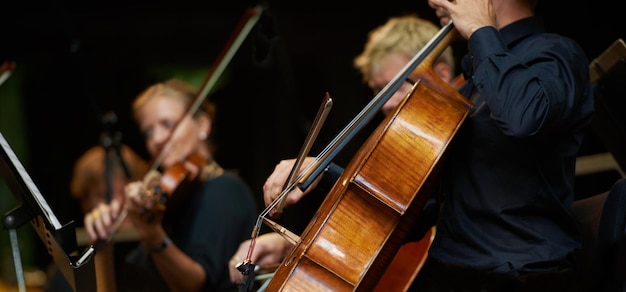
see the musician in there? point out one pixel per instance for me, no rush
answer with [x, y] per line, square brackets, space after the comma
[389, 48]
[185, 241]
[505, 223]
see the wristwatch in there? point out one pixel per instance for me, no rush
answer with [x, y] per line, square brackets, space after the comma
[160, 247]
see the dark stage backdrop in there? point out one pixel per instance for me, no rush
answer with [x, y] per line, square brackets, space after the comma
[77, 60]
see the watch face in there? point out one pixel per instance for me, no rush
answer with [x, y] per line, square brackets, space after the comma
[161, 246]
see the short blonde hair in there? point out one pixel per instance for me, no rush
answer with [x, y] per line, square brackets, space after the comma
[406, 34]
[181, 91]
[173, 88]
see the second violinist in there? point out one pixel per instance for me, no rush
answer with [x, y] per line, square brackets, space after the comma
[186, 242]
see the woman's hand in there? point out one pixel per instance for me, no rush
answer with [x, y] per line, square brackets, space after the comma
[274, 184]
[145, 211]
[98, 222]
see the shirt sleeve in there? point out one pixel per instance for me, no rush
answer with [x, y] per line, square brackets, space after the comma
[529, 92]
[329, 177]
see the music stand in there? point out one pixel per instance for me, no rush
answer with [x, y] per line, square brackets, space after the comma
[60, 240]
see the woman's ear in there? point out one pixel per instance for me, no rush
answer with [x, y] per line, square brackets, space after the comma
[204, 125]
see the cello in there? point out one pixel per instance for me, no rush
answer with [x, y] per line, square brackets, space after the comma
[366, 216]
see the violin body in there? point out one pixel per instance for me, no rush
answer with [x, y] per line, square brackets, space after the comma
[171, 186]
[366, 216]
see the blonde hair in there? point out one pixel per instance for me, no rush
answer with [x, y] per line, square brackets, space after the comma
[173, 88]
[179, 90]
[406, 34]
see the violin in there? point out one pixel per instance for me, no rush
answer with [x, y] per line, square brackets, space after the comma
[161, 186]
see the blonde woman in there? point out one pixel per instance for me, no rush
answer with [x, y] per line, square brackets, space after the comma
[188, 238]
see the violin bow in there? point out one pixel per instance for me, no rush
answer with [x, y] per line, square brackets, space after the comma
[245, 25]
[5, 70]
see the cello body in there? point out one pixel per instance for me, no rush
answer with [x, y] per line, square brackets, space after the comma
[364, 219]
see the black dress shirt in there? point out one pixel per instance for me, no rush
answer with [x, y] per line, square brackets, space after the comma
[509, 172]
